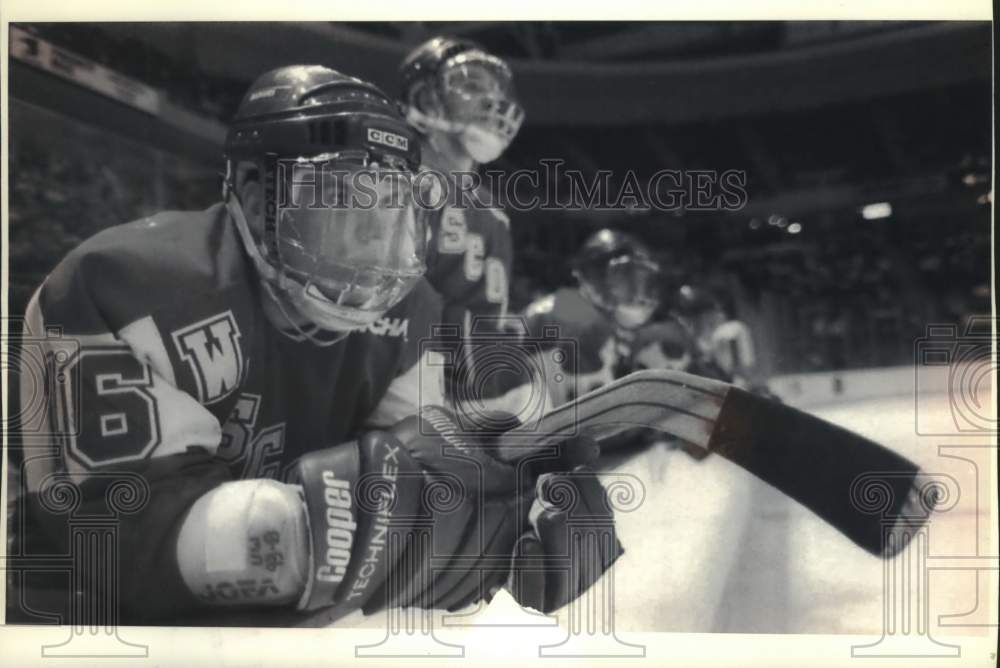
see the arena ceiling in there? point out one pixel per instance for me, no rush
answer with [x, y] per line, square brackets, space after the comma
[821, 115]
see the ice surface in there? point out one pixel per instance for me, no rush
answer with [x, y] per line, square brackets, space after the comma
[712, 549]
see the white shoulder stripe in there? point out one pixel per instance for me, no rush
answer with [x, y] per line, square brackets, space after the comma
[144, 339]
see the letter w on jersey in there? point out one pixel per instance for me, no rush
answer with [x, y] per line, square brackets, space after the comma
[212, 350]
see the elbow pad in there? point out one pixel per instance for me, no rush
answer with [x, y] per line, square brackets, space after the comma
[245, 543]
[318, 543]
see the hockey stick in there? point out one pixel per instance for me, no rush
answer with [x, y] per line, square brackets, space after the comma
[808, 459]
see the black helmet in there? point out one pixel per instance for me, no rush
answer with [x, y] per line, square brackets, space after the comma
[605, 245]
[422, 64]
[311, 109]
[693, 300]
[456, 86]
[617, 271]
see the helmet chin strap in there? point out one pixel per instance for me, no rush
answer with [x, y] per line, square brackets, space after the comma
[269, 276]
[425, 122]
[312, 333]
[437, 129]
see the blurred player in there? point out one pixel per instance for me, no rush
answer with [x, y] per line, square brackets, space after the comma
[216, 366]
[461, 99]
[665, 344]
[617, 292]
[724, 345]
[608, 319]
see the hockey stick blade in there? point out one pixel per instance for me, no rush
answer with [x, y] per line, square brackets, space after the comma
[810, 460]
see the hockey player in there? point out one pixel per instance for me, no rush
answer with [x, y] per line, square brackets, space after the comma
[600, 319]
[250, 376]
[724, 346]
[606, 329]
[461, 100]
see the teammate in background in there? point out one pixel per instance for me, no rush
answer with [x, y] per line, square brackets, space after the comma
[666, 344]
[724, 344]
[250, 373]
[617, 292]
[671, 342]
[461, 100]
[608, 317]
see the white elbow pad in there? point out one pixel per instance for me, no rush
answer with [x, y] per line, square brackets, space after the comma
[245, 543]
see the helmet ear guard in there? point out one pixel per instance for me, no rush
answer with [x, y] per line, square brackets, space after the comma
[424, 111]
[234, 205]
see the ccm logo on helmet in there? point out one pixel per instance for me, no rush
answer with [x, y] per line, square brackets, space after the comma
[340, 528]
[387, 138]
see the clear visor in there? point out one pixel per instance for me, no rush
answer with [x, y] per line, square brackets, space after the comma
[351, 234]
[478, 90]
[631, 281]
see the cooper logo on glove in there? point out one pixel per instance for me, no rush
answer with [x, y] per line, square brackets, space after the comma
[340, 528]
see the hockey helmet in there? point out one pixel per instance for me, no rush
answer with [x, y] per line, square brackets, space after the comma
[618, 273]
[456, 86]
[343, 238]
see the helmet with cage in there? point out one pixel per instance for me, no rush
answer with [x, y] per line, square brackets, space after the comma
[338, 237]
[456, 87]
[618, 274]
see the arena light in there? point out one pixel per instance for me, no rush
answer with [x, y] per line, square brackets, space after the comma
[876, 211]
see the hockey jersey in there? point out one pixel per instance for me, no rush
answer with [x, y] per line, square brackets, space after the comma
[581, 349]
[730, 347]
[162, 372]
[469, 258]
[595, 350]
